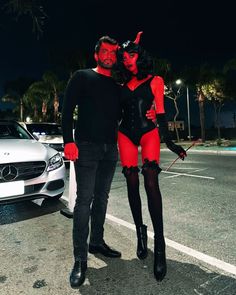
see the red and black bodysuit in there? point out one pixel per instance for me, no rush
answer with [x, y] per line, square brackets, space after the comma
[139, 92]
[135, 129]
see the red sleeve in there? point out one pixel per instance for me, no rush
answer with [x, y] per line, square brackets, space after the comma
[157, 86]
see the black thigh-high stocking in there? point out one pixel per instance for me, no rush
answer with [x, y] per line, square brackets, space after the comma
[132, 180]
[150, 171]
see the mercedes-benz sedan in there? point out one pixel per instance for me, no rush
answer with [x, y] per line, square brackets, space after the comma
[28, 168]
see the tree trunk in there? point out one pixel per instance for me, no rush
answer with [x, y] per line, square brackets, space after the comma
[44, 110]
[56, 106]
[215, 115]
[202, 116]
[35, 113]
[218, 122]
[21, 110]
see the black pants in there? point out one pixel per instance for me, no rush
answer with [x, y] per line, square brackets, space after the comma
[94, 170]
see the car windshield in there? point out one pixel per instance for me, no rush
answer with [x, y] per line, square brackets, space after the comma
[44, 129]
[11, 130]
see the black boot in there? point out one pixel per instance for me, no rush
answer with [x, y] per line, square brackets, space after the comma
[77, 276]
[160, 267]
[142, 241]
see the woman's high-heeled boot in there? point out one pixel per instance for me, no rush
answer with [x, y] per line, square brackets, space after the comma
[160, 267]
[142, 241]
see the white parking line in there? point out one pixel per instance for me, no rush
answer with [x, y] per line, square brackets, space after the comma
[180, 168]
[189, 175]
[197, 170]
[181, 248]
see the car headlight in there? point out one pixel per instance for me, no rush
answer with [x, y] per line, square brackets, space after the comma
[55, 162]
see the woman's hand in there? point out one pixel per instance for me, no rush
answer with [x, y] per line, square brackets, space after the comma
[177, 149]
[151, 115]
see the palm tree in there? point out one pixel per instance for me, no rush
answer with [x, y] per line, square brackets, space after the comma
[196, 77]
[229, 72]
[54, 87]
[14, 97]
[37, 92]
[33, 99]
[14, 92]
[46, 92]
[32, 8]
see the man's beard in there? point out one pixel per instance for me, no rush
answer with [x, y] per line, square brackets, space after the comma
[104, 66]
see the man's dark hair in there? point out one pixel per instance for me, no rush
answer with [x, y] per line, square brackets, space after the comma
[104, 39]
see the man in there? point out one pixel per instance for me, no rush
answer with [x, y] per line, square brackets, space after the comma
[94, 151]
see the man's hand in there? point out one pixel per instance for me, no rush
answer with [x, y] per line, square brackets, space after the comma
[151, 115]
[177, 149]
[71, 151]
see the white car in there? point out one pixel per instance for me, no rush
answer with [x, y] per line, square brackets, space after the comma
[47, 133]
[28, 168]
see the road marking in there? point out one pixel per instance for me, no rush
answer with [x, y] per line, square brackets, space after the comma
[189, 175]
[182, 168]
[181, 248]
[197, 170]
[172, 176]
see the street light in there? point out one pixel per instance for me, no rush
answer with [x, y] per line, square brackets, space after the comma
[188, 110]
[179, 82]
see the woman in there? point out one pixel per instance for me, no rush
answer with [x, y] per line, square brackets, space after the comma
[140, 90]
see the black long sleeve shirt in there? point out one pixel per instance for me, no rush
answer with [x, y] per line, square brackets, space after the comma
[97, 97]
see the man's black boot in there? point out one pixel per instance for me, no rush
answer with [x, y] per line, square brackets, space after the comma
[142, 241]
[77, 276]
[105, 250]
[160, 267]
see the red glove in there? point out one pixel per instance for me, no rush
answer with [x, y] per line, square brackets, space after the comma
[71, 151]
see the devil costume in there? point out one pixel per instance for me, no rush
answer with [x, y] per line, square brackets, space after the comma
[135, 104]
[140, 91]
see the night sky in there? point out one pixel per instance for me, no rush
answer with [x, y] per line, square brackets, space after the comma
[184, 32]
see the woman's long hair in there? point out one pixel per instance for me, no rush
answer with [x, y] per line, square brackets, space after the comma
[144, 63]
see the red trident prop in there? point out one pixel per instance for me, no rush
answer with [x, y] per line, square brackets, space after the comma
[193, 143]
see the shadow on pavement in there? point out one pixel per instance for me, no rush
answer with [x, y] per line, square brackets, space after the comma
[24, 210]
[136, 277]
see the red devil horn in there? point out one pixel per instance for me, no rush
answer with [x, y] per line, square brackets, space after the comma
[137, 39]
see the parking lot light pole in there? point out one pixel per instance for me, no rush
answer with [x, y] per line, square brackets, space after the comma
[188, 110]
[179, 82]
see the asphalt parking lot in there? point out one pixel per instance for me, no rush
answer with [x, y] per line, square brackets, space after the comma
[36, 253]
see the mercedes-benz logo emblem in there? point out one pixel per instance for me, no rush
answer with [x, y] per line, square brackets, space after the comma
[9, 173]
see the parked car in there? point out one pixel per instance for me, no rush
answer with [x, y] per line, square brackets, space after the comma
[28, 168]
[50, 134]
[47, 133]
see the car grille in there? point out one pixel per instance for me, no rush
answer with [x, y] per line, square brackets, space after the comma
[21, 171]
